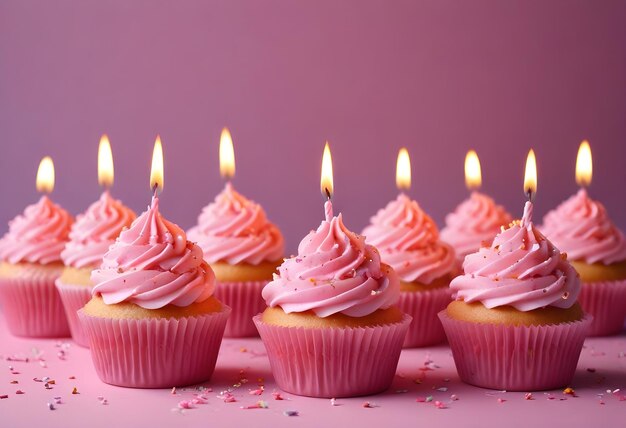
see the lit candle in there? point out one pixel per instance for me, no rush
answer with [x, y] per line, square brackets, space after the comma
[45, 176]
[473, 175]
[105, 163]
[403, 170]
[326, 181]
[530, 186]
[157, 179]
[227, 155]
[584, 165]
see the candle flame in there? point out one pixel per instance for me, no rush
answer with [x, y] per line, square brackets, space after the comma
[45, 175]
[403, 170]
[473, 176]
[105, 162]
[227, 155]
[156, 171]
[584, 165]
[530, 175]
[326, 181]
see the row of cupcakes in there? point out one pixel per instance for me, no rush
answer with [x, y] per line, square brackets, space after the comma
[407, 237]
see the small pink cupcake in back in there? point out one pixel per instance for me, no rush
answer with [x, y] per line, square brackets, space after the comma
[581, 227]
[242, 247]
[516, 324]
[478, 219]
[408, 241]
[30, 262]
[153, 321]
[331, 328]
[90, 238]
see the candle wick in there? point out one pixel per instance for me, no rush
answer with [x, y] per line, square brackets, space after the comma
[327, 193]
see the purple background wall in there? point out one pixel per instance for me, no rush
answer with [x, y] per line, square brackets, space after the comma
[371, 76]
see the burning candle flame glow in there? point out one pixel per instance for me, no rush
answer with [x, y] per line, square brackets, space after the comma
[326, 181]
[584, 165]
[45, 175]
[473, 176]
[530, 175]
[156, 171]
[403, 170]
[227, 155]
[105, 162]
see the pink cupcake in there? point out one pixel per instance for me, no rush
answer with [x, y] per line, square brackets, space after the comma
[152, 321]
[408, 240]
[244, 249]
[331, 328]
[473, 224]
[30, 262]
[90, 238]
[597, 249]
[515, 323]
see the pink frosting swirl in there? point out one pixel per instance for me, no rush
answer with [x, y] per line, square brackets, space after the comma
[38, 235]
[152, 265]
[473, 224]
[95, 231]
[521, 269]
[581, 227]
[334, 272]
[235, 229]
[408, 240]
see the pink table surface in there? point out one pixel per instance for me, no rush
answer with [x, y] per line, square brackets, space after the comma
[422, 373]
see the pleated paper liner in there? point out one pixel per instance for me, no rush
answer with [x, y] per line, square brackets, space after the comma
[32, 305]
[74, 297]
[606, 301]
[333, 362]
[157, 352]
[516, 358]
[423, 306]
[246, 301]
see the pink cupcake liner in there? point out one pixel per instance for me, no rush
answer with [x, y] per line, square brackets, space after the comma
[74, 297]
[606, 301]
[156, 352]
[32, 305]
[516, 358]
[333, 362]
[246, 301]
[423, 306]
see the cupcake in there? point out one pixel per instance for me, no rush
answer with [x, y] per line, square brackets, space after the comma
[331, 328]
[30, 262]
[153, 321]
[473, 224]
[243, 248]
[597, 249]
[90, 237]
[408, 240]
[516, 324]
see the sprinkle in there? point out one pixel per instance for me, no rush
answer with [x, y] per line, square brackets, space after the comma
[173, 391]
[501, 400]
[291, 413]
[227, 397]
[368, 405]
[3, 396]
[57, 400]
[569, 391]
[591, 370]
[453, 397]
[442, 389]
[421, 399]
[528, 396]
[52, 382]
[243, 349]
[104, 402]
[19, 392]
[51, 406]
[185, 405]
[258, 391]
[277, 396]
[333, 402]
[75, 391]
[440, 405]
[14, 382]
[429, 398]
[72, 377]
[258, 405]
